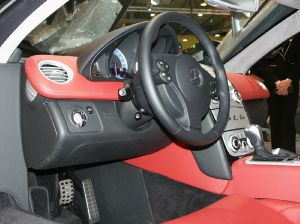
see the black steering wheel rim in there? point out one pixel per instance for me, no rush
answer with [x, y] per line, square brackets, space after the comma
[189, 135]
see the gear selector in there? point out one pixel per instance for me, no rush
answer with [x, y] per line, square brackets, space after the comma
[255, 137]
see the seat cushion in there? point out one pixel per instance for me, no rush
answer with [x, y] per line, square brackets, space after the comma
[234, 209]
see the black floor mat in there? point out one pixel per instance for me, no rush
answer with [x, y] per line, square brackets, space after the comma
[9, 213]
[170, 199]
[67, 217]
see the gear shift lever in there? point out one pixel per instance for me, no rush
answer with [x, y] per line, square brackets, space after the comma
[254, 135]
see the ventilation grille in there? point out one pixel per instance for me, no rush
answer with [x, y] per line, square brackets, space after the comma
[30, 91]
[56, 71]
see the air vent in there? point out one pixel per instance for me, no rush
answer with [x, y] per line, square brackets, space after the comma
[30, 91]
[56, 71]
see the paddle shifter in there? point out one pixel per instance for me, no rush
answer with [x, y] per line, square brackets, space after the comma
[254, 135]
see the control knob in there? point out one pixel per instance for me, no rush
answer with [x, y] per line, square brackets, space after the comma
[79, 118]
[234, 143]
[236, 96]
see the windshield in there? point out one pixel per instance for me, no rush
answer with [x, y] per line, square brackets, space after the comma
[80, 22]
[73, 25]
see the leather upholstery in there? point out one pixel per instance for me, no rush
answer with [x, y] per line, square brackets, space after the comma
[290, 210]
[264, 181]
[254, 181]
[178, 163]
[234, 209]
[78, 88]
[248, 87]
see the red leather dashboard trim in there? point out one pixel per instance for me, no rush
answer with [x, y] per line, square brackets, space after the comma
[247, 86]
[78, 88]
[82, 88]
[178, 164]
[265, 181]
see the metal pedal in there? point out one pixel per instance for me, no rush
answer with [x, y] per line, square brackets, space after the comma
[91, 202]
[66, 189]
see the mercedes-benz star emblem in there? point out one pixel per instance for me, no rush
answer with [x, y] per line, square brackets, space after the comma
[196, 77]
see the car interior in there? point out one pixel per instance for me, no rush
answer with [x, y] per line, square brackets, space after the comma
[129, 129]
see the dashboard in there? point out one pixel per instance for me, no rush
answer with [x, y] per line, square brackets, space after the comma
[79, 117]
[75, 104]
[115, 57]
[120, 62]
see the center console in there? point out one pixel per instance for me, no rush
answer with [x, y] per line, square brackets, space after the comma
[233, 137]
[215, 160]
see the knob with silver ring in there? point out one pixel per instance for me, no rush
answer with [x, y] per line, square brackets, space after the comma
[79, 118]
[234, 143]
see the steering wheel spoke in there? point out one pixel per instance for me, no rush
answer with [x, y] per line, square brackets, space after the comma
[162, 69]
[162, 78]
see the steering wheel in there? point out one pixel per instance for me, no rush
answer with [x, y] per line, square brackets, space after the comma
[178, 89]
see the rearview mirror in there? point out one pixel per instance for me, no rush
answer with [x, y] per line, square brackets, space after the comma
[235, 5]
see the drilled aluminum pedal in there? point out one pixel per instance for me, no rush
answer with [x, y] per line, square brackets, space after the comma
[91, 202]
[66, 189]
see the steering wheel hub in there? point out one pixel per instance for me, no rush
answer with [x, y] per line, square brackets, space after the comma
[196, 77]
[192, 80]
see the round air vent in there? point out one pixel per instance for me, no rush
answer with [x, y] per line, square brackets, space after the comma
[55, 71]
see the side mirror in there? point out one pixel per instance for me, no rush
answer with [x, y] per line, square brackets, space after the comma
[235, 5]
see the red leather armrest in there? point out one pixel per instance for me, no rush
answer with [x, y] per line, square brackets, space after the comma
[265, 181]
[290, 210]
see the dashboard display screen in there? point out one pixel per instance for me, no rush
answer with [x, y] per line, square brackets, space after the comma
[118, 64]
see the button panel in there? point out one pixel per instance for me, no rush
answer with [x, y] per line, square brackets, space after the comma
[80, 116]
[236, 143]
[162, 65]
[235, 100]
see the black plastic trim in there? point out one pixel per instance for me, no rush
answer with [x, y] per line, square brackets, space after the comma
[51, 140]
[13, 170]
[13, 17]
[212, 159]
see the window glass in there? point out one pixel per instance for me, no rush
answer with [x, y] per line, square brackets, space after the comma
[80, 22]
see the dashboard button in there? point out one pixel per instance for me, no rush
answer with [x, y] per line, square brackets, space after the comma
[125, 93]
[89, 110]
[163, 66]
[235, 95]
[234, 143]
[79, 118]
[162, 78]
